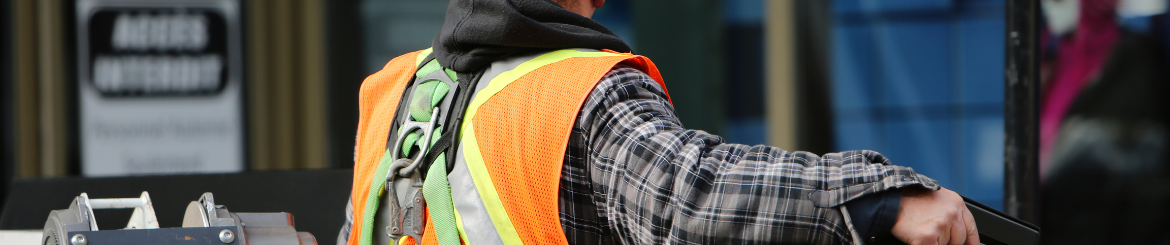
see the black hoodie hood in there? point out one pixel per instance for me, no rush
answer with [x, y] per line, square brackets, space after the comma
[478, 32]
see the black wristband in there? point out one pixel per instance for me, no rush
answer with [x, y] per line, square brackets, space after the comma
[874, 216]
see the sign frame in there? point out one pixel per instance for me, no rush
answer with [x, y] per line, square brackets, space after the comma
[167, 133]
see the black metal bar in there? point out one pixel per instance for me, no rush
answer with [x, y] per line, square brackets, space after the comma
[999, 228]
[186, 235]
[1021, 110]
[7, 101]
[345, 72]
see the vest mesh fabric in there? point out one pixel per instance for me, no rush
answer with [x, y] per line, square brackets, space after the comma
[523, 132]
[378, 101]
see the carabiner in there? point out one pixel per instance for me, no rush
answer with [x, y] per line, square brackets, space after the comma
[428, 128]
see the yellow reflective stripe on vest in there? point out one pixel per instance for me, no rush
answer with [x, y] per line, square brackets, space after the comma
[472, 154]
[459, 226]
[470, 211]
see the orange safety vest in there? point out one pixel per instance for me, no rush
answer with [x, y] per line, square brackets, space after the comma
[512, 143]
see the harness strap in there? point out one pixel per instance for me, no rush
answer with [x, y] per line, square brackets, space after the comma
[449, 138]
[373, 199]
[432, 100]
[441, 208]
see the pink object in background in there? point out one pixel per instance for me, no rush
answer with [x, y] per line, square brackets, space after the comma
[1078, 59]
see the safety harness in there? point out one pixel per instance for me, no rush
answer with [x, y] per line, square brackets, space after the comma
[421, 154]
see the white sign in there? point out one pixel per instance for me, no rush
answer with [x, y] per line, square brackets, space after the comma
[160, 86]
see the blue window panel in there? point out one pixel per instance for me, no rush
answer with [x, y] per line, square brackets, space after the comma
[980, 60]
[924, 145]
[859, 136]
[986, 9]
[979, 42]
[982, 158]
[922, 82]
[891, 6]
[616, 17]
[748, 131]
[853, 85]
[871, 115]
[846, 7]
[915, 60]
[743, 11]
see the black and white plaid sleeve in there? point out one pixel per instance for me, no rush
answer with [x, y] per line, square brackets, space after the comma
[634, 175]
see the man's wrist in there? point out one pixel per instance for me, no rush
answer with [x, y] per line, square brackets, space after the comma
[874, 215]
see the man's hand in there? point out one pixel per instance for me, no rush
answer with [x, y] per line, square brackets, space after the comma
[934, 217]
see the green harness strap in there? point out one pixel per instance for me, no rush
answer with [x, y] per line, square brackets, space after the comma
[437, 192]
[372, 200]
[436, 188]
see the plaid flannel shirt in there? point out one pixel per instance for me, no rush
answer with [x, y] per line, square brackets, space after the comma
[634, 175]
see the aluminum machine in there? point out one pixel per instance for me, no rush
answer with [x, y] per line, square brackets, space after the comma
[204, 222]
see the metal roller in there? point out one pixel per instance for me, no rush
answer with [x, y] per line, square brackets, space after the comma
[204, 222]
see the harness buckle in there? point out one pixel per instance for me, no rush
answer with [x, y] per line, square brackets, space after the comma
[406, 219]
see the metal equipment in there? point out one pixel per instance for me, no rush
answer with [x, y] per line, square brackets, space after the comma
[996, 228]
[204, 222]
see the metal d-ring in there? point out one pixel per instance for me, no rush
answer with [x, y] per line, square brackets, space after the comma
[409, 126]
